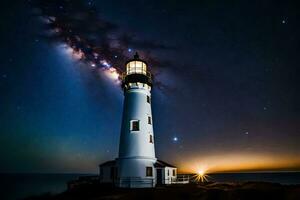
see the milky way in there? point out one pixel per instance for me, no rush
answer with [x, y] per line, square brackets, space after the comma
[99, 43]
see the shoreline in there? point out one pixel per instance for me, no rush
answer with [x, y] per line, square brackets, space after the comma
[22, 185]
[208, 190]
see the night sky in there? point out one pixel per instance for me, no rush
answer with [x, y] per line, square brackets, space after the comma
[225, 97]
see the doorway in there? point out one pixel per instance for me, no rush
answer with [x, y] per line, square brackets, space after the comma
[159, 176]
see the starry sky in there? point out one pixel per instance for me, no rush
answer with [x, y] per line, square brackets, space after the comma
[225, 97]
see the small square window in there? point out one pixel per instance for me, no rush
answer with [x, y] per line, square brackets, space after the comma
[149, 120]
[151, 139]
[148, 99]
[135, 125]
[149, 171]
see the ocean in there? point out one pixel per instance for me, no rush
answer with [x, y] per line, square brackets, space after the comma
[19, 186]
[286, 178]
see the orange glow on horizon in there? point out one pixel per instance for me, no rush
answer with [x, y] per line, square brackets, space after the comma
[240, 163]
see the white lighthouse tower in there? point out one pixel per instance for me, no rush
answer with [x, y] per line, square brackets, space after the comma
[136, 165]
[136, 151]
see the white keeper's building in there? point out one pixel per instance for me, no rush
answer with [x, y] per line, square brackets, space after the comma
[137, 166]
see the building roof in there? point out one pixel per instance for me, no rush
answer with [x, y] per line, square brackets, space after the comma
[108, 163]
[160, 163]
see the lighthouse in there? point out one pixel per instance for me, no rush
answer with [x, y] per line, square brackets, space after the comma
[137, 165]
[136, 150]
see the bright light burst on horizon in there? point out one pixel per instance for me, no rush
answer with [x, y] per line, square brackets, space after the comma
[201, 175]
[201, 172]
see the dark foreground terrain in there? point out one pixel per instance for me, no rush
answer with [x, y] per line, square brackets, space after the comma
[224, 191]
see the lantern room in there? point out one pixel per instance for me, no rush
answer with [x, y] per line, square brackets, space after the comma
[136, 66]
[136, 72]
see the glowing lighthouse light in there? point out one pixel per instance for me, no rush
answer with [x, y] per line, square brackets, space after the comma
[136, 67]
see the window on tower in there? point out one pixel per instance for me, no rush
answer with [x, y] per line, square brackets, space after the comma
[148, 99]
[149, 171]
[149, 120]
[135, 125]
[151, 139]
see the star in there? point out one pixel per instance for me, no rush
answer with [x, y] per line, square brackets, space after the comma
[129, 50]
[4, 76]
[247, 133]
[265, 108]
[283, 21]
[175, 139]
